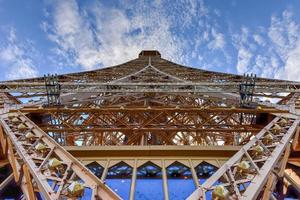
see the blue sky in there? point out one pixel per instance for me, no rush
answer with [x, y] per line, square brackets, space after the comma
[235, 36]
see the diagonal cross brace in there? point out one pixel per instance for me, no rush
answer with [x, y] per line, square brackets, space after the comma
[100, 190]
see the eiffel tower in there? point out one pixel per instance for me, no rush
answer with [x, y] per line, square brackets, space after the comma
[149, 129]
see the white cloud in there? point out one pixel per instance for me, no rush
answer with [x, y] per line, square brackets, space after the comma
[203, 9]
[259, 39]
[244, 58]
[96, 35]
[244, 52]
[218, 41]
[273, 52]
[15, 55]
[111, 37]
[292, 64]
[23, 70]
[283, 32]
[144, 30]
[73, 35]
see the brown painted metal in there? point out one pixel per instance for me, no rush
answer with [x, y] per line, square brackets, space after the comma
[29, 183]
[260, 166]
[146, 109]
[36, 162]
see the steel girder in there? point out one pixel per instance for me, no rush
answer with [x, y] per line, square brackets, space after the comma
[34, 155]
[130, 104]
[128, 126]
[248, 182]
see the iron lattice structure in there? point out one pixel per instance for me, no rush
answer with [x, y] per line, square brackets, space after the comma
[76, 135]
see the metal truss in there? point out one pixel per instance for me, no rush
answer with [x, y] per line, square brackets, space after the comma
[156, 111]
[166, 119]
[247, 91]
[128, 126]
[52, 89]
[205, 87]
[47, 167]
[148, 74]
[162, 162]
[244, 175]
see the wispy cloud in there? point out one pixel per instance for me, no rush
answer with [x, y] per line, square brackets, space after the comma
[270, 52]
[109, 36]
[244, 58]
[218, 41]
[259, 39]
[291, 70]
[285, 34]
[92, 35]
[98, 35]
[16, 55]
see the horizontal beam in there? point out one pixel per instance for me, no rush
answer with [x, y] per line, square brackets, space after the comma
[189, 83]
[152, 90]
[152, 109]
[157, 150]
[3, 162]
[145, 87]
[77, 129]
[294, 160]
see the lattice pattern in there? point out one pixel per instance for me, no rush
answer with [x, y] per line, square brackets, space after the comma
[146, 101]
[244, 175]
[55, 172]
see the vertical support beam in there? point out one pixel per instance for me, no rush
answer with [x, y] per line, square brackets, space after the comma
[284, 160]
[12, 159]
[272, 180]
[28, 182]
[105, 170]
[100, 138]
[165, 180]
[270, 184]
[296, 139]
[102, 135]
[142, 140]
[3, 140]
[194, 174]
[133, 180]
